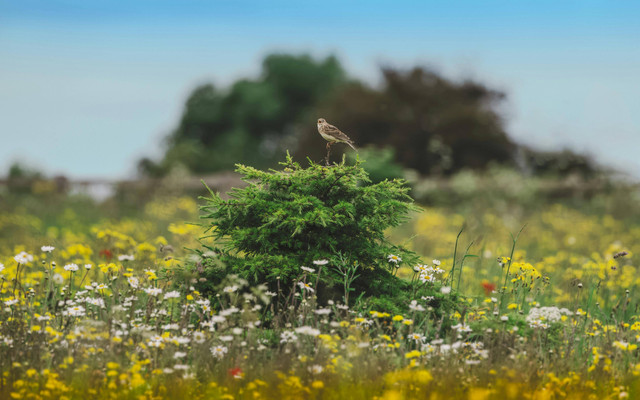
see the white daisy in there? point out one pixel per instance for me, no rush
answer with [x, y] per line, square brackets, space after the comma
[23, 258]
[219, 351]
[71, 267]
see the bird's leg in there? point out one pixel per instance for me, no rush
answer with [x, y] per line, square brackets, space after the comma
[328, 153]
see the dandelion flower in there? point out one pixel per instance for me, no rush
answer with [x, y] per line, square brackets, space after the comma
[624, 345]
[58, 279]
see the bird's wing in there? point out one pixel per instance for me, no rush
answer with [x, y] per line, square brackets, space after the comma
[335, 132]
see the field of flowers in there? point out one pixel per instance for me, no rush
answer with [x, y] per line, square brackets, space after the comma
[102, 306]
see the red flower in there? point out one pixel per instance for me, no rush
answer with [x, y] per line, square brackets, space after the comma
[106, 253]
[488, 287]
[236, 372]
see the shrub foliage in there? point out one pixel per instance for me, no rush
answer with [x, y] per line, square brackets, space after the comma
[286, 219]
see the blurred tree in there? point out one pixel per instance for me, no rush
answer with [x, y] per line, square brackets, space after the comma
[20, 178]
[378, 163]
[435, 125]
[558, 163]
[252, 120]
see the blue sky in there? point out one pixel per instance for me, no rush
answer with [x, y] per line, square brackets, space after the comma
[88, 87]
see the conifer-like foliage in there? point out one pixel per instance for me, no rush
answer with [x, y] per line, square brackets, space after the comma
[286, 219]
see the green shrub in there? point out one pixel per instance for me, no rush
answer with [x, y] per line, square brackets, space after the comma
[287, 219]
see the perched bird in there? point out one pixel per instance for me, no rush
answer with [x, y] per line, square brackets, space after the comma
[332, 134]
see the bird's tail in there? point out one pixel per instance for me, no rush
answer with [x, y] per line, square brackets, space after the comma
[352, 146]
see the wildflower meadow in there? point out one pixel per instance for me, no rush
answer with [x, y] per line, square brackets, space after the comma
[314, 283]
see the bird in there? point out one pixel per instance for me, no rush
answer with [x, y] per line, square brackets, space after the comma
[332, 134]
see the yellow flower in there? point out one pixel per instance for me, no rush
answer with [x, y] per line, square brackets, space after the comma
[113, 365]
[413, 354]
[625, 346]
[479, 394]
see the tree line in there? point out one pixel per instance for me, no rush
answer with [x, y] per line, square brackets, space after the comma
[428, 123]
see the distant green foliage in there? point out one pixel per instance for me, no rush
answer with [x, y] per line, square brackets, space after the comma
[559, 163]
[380, 164]
[251, 120]
[20, 178]
[284, 220]
[436, 125]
